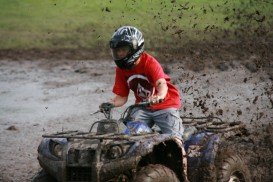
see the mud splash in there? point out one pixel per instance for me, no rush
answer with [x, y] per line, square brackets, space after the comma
[46, 96]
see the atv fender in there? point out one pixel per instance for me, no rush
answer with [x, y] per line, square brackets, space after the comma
[163, 149]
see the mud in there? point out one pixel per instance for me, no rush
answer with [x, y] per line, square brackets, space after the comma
[44, 96]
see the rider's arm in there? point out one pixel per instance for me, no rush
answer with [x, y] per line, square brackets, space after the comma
[119, 101]
[162, 88]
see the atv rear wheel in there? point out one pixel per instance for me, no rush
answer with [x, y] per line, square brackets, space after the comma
[233, 169]
[155, 172]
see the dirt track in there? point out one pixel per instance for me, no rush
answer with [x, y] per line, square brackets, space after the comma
[38, 97]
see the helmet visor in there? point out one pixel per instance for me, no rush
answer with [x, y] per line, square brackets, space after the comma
[121, 52]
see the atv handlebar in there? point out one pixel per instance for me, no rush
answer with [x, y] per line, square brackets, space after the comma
[146, 103]
[128, 109]
[141, 104]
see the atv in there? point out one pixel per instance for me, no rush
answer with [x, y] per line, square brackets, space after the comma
[125, 150]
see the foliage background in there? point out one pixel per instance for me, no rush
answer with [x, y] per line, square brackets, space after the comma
[170, 27]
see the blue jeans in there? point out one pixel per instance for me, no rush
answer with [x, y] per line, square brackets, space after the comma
[168, 120]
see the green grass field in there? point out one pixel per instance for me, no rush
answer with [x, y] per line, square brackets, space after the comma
[49, 24]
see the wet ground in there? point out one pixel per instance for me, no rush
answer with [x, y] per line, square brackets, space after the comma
[42, 96]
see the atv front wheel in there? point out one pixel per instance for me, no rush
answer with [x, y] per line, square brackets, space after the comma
[155, 172]
[42, 176]
[233, 169]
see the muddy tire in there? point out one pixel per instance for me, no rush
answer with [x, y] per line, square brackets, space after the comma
[42, 176]
[155, 172]
[232, 168]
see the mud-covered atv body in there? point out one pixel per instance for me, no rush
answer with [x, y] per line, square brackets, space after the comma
[215, 152]
[111, 155]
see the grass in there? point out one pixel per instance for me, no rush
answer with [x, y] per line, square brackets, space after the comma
[53, 24]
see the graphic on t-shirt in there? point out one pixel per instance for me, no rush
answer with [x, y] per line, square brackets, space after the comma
[141, 86]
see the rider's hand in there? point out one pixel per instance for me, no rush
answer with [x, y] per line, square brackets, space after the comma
[106, 106]
[155, 99]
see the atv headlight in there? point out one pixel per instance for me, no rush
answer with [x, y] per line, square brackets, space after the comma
[115, 152]
[118, 150]
[56, 148]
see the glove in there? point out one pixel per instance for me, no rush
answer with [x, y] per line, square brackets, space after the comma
[155, 99]
[106, 106]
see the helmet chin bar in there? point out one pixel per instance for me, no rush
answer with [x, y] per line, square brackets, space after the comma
[128, 62]
[122, 64]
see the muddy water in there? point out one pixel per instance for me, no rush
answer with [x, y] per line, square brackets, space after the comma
[38, 97]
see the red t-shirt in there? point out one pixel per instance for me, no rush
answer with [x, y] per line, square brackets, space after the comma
[141, 79]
